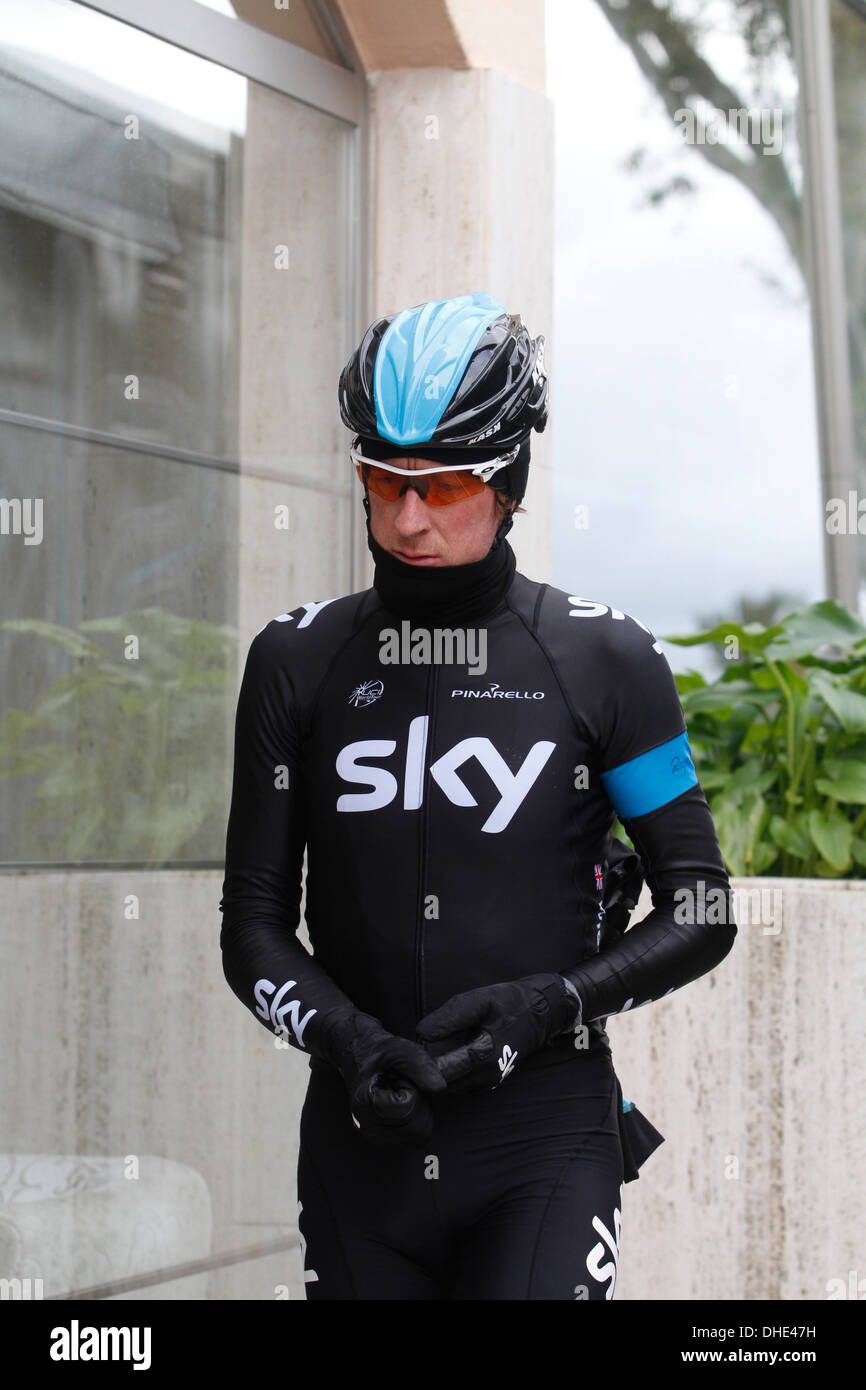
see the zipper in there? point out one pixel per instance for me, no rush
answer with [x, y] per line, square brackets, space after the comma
[430, 711]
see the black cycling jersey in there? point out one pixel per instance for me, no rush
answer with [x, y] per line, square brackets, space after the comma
[457, 813]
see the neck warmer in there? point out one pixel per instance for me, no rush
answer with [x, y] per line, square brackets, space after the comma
[443, 595]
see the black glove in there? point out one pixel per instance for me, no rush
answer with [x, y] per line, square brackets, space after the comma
[386, 1077]
[479, 1036]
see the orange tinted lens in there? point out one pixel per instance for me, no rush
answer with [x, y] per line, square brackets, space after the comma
[453, 487]
[437, 489]
[383, 483]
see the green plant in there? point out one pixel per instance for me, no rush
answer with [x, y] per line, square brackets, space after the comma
[779, 743]
[121, 759]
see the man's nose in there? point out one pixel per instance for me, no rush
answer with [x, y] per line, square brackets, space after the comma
[412, 510]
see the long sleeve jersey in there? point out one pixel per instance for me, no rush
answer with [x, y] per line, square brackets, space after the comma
[457, 820]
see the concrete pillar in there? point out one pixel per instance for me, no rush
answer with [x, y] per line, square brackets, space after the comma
[295, 336]
[461, 179]
[462, 200]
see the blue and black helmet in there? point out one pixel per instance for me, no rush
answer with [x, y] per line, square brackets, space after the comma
[462, 375]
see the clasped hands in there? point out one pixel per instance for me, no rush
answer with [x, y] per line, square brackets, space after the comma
[470, 1043]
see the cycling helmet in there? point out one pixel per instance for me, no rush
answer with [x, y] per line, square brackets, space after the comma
[462, 375]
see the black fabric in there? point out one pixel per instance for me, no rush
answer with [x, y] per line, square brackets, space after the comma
[479, 1037]
[668, 839]
[451, 846]
[383, 449]
[443, 594]
[638, 1137]
[409, 780]
[416, 787]
[516, 1195]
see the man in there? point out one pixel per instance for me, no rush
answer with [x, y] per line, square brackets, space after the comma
[453, 745]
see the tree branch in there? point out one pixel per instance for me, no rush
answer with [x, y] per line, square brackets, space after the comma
[765, 176]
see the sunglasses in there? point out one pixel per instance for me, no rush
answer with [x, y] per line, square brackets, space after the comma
[443, 484]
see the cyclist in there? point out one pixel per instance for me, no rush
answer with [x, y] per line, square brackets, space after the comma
[464, 1134]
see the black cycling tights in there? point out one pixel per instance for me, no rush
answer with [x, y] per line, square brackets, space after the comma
[516, 1195]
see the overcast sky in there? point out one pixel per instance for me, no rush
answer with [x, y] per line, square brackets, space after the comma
[682, 400]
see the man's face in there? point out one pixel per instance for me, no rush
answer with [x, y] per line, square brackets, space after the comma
[419, 534]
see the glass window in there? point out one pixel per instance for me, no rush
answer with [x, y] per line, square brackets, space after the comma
[174, 294]
[175, 291]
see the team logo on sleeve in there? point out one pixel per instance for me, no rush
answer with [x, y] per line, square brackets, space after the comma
[506, 1062]
[588, 608]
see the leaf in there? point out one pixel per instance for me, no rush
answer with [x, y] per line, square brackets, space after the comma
[739, 822]
[764, 856]
[846, 781]
[723, 695]
[63, 637]
[848, 707]
[795, 683]
[800, 702]
[689, 680]
[753, 637]
[765, 679]
[792, 836]
[831, 836]
[825, 870]
[855, 750]
[711, 778]
[808, 629]
[752, 775]
[756, 735]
